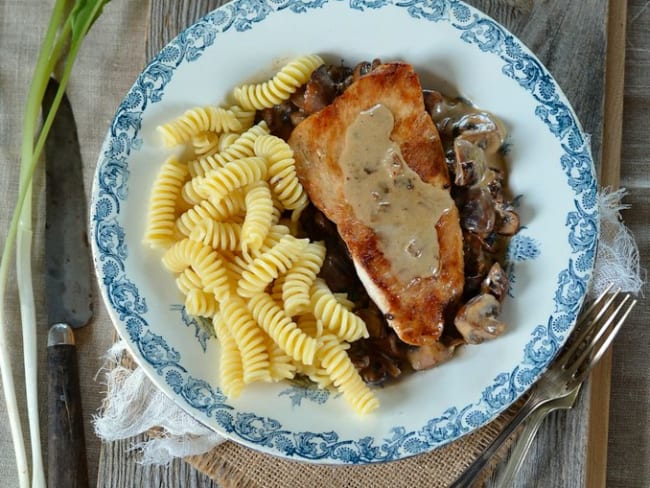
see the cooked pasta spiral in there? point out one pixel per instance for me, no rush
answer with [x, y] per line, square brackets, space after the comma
[259, 216]
[310, 325]
[188, 280]
[232, 205]
[198, 120]
[226, 140]
[217, 183]
[231, 370]
[246, 117]
[206, 262]
[281, 366]
[269, 265]
[335, 316]
[205, 143]
[241, 147]
[250, 339]
[331, 354]
[280, 87]
[284, 332]
[282, 171]
[299, 278]
[316, 373]
[200, 303]
[160, 231]
[223, 220]
[218, 235]
[343, 299]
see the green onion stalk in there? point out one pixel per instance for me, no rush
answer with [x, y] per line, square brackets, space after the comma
[69, 24]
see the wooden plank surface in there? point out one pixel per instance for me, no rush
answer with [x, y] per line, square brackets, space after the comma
[569, 38]
[610, 172]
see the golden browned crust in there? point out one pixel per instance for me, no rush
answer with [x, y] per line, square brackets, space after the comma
[416, 311]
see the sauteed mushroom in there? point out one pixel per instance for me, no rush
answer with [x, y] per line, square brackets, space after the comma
[429, 356]
[482, 130]
[477, 320]
[496, 282]
[478, 214]
[507, 223]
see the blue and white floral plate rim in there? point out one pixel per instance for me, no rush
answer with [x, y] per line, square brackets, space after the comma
[452, 45]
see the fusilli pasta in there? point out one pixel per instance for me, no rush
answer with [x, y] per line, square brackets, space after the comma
[250, 339]
[335, 316]
[284, 332]
[269, 265]
[331, 354]
[204, 260]
[205, 143]
[160, 231]
[198, 120]
[282, 171]
[280, 87]
[300, 277]
[281, 366]
[227, 140]
[218, 183]
[200, 303]
[231, 370]
[241, 147]
[218, 235]
[223, 220]
[188, 280]
[259, 216]
[232, 206]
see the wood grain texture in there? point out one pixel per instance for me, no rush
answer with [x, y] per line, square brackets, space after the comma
[569, 38]
[610, 171]
[629, 419]
[67, 464]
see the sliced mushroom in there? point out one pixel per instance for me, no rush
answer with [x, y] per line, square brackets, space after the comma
[429, 356]
[432, 101]
[496, 282]
[470, 162]
[477, 261]
[482, 130]
[320, 90]
[493, 181]
[477, 320]
[507, 222]
[361, 69]
[478, 214]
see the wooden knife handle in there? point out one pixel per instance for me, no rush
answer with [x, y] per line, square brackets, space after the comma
[67, 467]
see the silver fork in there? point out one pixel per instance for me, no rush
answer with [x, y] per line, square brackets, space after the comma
[595, 330]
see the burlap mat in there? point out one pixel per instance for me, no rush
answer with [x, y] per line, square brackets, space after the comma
[233, 465]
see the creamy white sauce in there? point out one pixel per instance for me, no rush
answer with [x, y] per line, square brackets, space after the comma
[390, 198]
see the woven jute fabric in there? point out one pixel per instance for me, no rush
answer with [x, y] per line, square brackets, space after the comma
[234, 465]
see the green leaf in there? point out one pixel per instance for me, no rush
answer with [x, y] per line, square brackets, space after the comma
[83, 15]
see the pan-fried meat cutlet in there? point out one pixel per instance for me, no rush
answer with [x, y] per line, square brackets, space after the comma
[372, 161]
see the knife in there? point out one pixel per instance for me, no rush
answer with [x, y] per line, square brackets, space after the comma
[68, 290]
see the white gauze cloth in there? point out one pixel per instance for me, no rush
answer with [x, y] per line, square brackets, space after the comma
[134, 405]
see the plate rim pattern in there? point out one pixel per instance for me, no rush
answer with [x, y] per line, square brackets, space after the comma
[127, 307]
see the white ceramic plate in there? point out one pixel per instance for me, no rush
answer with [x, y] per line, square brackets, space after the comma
[452, 46]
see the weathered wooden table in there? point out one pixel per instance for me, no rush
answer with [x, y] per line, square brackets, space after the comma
[571, 39]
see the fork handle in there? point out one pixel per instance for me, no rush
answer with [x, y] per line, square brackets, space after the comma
[522, 445]
[469, 476]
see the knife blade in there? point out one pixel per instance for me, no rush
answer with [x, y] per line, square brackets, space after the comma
[68, 291]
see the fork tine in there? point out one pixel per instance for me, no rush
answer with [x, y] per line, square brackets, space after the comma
[600, 329]
[607, 341]
[585, 317]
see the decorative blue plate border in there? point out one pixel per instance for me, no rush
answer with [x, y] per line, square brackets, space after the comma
[129, 307]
